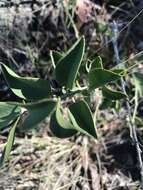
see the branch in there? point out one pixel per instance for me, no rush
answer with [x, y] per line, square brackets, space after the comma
[131, 121]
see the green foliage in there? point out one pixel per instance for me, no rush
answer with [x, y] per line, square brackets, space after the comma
[68, 67]
[9, 144]
[100, 77]
[42, 99]
[26, 87]
[60, 126]
[138, 79]
[81, 114]
[80, 120]
[112, 94]
[8, 113]
[55, 57]
[101, 27]
[97, 63]
[37, 112]
[106, 104]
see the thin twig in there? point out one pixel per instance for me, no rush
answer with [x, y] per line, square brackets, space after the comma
[121, 31]
[131, 121]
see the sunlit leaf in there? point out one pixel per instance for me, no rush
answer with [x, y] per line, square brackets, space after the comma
[82, 119]
[36, 113]
[26, 87]
[61, 127]
[8, 113]
[100, 77]
[67, 68]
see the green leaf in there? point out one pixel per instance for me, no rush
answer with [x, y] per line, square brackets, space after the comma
[119, 71]
[81, 117]
[67, 68]
[8, 113]
[61, 127]
[97, 63]
[36, 113]
[26, 87]
[101, 27]
[80, 121]
[112, 94]
[9, 144]
[106, 103]
[138, 80]
[100, 77]
[55, 57]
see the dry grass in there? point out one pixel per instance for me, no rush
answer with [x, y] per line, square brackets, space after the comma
[44, 163]
[47, 163]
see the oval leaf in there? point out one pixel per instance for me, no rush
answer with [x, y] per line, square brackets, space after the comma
[100, 77]
[26, 87]
[61, 127]
[112, 94]
[82, 115]
[36, 113]
[67, 68]
[8, 113]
